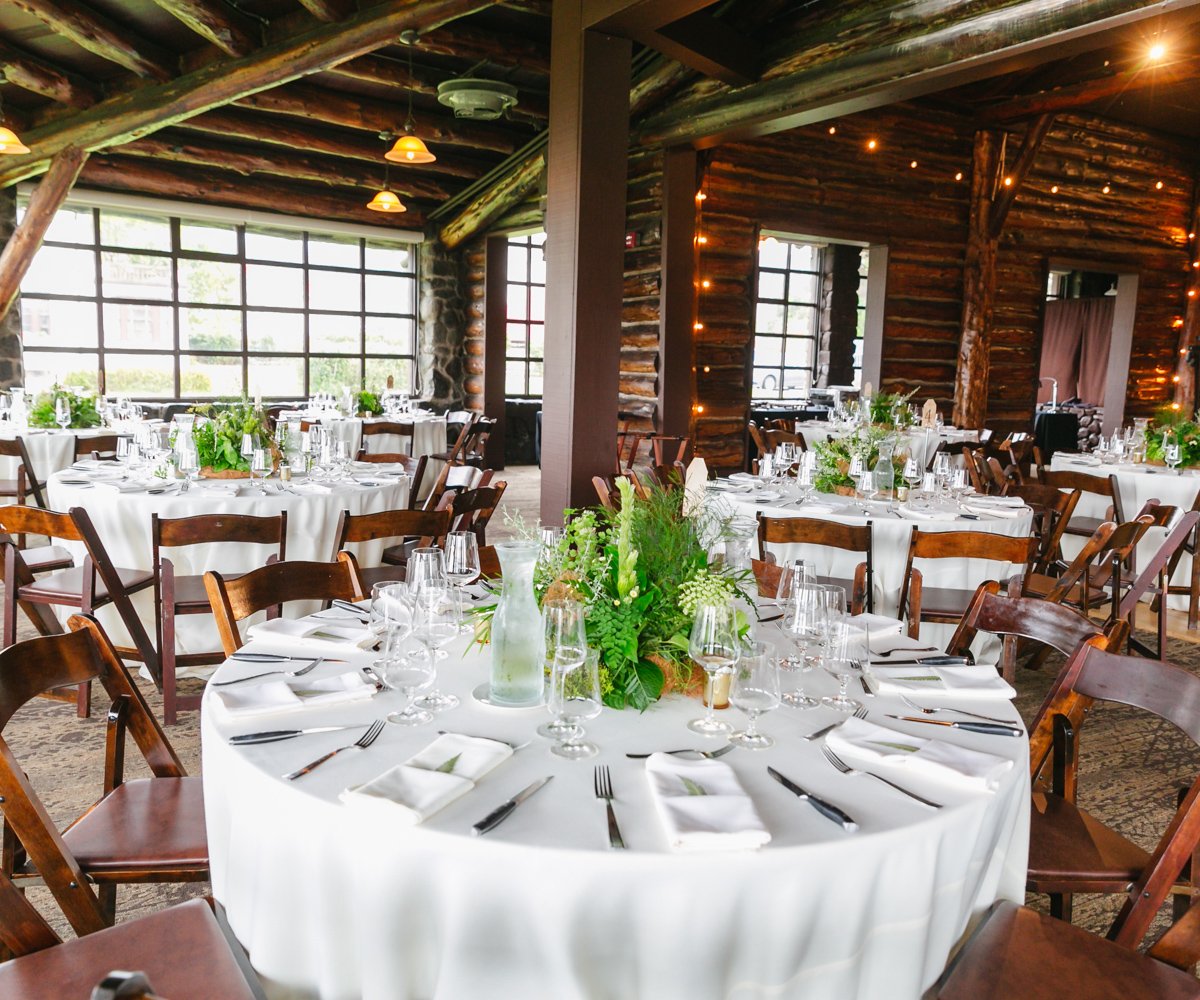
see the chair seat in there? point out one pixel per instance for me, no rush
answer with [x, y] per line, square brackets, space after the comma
[181, 950]
[68, 583]
[44, 558]
[1069, 849]
[190, 593]
[8, 487]
[1019, 954]
[943, 602]
[381, 574]
[1085, 526]
[150, 824]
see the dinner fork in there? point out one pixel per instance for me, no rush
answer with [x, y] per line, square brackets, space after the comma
[845, 768]
[603, 781]
[706, 754]
[961, 711]
[364, 741]
[298, 672]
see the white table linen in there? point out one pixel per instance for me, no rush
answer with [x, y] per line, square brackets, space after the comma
[336, 902]
[123, 522]
[920, 442]
[49, 451]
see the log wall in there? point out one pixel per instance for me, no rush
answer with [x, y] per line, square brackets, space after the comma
[638, 398]
[474, 256]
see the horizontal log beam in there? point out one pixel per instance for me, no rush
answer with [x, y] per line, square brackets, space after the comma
[217, 22]
[107, 39]
[365, 114]
[472, 46]
[124, 173]
[132, 115]
[494, 202]
[39, 77]
[625, 17]
[889, 58]
[328, 10]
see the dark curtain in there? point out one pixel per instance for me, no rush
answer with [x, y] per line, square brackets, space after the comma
[1075, 342]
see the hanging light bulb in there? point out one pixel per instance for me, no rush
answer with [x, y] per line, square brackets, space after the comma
[9, 143]
[409, 148]
[386, 200]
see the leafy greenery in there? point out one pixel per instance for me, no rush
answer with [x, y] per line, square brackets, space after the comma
[834, 455]
[1183, 429]
[368, 402]
[83, 408]
[219, 437]
[890, 409]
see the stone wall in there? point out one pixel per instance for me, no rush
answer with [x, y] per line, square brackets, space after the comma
[12, 367]
[442, 327]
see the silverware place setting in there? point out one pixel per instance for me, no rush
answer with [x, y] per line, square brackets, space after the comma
[298, 672]
[687, 752]
[846, 769]
[961, 711]
[604, 790]
[364, 741]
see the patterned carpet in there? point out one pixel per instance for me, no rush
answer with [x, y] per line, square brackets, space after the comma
[1131, 768]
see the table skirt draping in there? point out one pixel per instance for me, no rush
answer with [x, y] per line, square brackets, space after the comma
[340, 903]
[123, 523]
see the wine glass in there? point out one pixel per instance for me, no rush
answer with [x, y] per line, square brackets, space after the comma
[793, 576]
[805, 480]
[187, 461]
[913, 474]
[248, 446]
[434, 625]
[1172, 454]
[390, 609]
[62, 412]
[461, 560]
[408, 676]
[564, 647]
[844, 651]
[755, 690]
[426, 565]
[941, 469]
[713, 645]
[576, 693]
[261, 464]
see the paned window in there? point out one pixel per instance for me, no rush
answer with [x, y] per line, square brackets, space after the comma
[525, 315]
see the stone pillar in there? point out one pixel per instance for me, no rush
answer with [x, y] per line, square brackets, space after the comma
[441, 327]
[12, 366]
[839, 314]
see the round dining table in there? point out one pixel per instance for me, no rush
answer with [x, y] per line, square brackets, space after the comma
[121, 512]
[919, 442]
[335, 901]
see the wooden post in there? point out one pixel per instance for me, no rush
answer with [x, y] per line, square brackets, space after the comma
[43, 203]
[1189, 333]
[677, 308]
[979, 287]
[495, 313]
[585, 219]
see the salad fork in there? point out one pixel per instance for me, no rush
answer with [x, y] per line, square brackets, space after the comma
[707, 754]
[298, 672]
[364, 741]
[604, 790]
[845, 768]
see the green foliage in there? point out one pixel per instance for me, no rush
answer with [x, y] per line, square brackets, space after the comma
[890, 409]
[368, 402]
[219, 437]
[83, 408]
[833, 457]
[1183, 429]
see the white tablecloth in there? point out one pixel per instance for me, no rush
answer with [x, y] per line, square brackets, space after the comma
[339, 903]
[919, 442]
[123, 523]
[49, 451]
[429, 437]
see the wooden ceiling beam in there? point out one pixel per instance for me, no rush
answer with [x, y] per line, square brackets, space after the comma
[1038, 129]
[494, 202]
[39, 77]
[710, 46]
[366, 114]
[132, 115]
[217, 22]
[473, 45]
[115, 42]
[627, 17]
[329, 10]
[169, 147]
[879, 54]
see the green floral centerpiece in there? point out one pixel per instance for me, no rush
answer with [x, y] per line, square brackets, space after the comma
[891, 410]
[832, 474]
[369, 404]
[83, 408]
[1183, 429]
[641, 572]
[219, 436]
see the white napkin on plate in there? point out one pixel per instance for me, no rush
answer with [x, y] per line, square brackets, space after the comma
[274, 696]
[702, 805]
[317, 634]
[938, 683]
[229, 487]
[812, 507]
[96, 465]
[877, 626]
[988, 501]
[724, 486]
[308, 486]
[766, 496]
[860, 742]
[990, 511]
[744, 477]
[429, 781]
[926, 515]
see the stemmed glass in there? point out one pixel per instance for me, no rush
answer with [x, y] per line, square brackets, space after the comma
[912, 476]
[434, 625]
[261, 464]
[755, 690]
[390, 609]
[844, 650]
[461, 558]
[62, 412]
[803, 624]
[575, 694]
[564, 647]
[247, 449]
[187, 461]
[793, 576]
[713, 645]
[941, 469]
[408, 676]
[1172, 454]
[805, 483]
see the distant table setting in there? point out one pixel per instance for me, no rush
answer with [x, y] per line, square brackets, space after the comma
[402, 868]
[920, 442]
[50, 451]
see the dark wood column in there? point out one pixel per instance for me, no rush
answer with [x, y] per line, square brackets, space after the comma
[585, 227]
[495, 312]
[677, 303]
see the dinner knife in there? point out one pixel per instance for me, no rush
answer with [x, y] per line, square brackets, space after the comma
[826, 809]
[991, 728]
[928, 661]
[274, 735]
[276, 658]
[501, 813]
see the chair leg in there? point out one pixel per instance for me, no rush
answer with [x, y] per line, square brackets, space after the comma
[83, 700]
[107, 894]
[166, 655]
[1061, 905]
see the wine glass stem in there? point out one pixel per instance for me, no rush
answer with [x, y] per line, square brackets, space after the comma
[751, 727]
[709, 717]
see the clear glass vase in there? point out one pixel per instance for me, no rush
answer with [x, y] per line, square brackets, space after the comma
[517, 676]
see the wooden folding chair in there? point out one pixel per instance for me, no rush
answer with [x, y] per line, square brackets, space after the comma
[454, 478]
[424, 527]
[1019, 954]
[1072, 851]
[976, 466]
[94, 584]
[414, 468]
[1052, 509]
[947, 605]
[97, 447]
[667, 477]
[756, 435]
[473, 509]
[142, 830]
[375, 428]
[860, 590]
[669, 450]
[454, 454]
[185, 595]
[26, 481]
[1104, 487]
[1153, 578]
[1189, 548]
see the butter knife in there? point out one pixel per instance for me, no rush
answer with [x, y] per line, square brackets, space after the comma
[990, 728]
[501, 813]
[826, 809]
[274, 735]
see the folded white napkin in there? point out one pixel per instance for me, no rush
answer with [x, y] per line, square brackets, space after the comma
[429, 781]
[877, 626]
[96, 464]
[695, 480]
[725, 486]
[1091, 461]
[317, 634]
[993, 511]
[378, 468]
[989, 501]
[939, 683]
[702, 805]
[308, 486]
[744, 477]
[767, 496]
[927, 515]
[812, 507]
[227, 486]
[880, 748]
[274, 696]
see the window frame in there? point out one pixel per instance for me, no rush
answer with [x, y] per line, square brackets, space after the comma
[526, 359]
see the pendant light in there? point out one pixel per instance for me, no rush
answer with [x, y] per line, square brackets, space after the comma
[409, 148]
[9, 143]
[386, 200]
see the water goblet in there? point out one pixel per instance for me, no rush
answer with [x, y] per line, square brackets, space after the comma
[1172, 453]
[187, 461]
[576, 692]
[62, 412]
[261, 464]
[844, 653]
[755, 690]
[713, 645]
[408, 676]
[461, 559]
[941, 469]
[564, 647]
[391, 610]
[434, 625]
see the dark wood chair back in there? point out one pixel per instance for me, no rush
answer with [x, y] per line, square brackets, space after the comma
[976, 466]
[472, 509]
[669, 450]
[201, 529]
[756, 435]
[26, 478]
[429, 525]
[270, 587]
[810, 531]
[98, 446]
[374, 428]
[1052, 510]
[1016, 551]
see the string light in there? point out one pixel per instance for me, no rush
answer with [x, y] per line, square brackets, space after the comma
[913, 164]
[699, 408]
[833, 130]
[707, 369]
[702, 240]
[1156, 52]
[700, 196]
[1008, 182]
[872, 144]
[706, 283]
[1054, 189]
[697, 326]
[1106, 189]
[958, 176]
[1158, 186]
